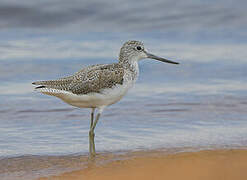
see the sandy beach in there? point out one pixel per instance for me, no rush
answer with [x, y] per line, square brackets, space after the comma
[203, 165]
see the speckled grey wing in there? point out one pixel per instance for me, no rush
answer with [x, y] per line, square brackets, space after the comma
[91, 79]
[97, 78]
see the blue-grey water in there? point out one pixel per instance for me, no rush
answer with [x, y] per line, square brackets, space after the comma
[199, 104]
[191, 105]
[167, 108]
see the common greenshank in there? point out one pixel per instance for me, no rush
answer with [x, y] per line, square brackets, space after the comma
[101, 85]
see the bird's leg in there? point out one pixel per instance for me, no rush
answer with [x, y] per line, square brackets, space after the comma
[90, 133]
[92, 129]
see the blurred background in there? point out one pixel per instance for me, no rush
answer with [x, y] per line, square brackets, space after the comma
[201, 103]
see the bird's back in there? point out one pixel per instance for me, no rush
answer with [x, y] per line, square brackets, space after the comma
[91, 79]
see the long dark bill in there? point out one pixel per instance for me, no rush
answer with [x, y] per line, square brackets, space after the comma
[160, 59]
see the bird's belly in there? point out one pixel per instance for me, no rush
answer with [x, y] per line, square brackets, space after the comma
[105, 98]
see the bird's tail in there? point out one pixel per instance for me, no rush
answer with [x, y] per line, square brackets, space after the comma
[61, 84]
[44, 84]
[53, 87]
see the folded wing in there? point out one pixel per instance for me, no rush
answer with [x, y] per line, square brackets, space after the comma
[91, 79]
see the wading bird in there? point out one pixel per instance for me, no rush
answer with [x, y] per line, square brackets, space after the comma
[101, 85]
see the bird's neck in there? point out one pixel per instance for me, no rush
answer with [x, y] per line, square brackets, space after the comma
[131, 65]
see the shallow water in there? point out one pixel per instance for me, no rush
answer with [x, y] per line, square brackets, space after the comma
[170, 107]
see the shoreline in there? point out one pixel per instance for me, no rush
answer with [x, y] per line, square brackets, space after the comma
[225, 164]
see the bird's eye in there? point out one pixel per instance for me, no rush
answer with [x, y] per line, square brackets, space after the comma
[139, 48]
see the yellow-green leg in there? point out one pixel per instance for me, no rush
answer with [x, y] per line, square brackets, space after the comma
[91, 132]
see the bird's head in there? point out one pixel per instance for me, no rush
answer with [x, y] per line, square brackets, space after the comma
[135, 51]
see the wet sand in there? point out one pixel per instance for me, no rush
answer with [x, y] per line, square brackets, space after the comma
[146, 165]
